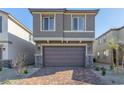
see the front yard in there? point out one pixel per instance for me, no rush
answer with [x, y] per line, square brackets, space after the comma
[112, 76]
[63, 76]
[60, 76]
[6, 75]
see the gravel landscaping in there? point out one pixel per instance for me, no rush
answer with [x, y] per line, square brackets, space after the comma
[61, 76]
[112, 77]
[10, 74]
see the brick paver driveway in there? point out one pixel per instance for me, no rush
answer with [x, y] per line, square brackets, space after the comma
[61, 76]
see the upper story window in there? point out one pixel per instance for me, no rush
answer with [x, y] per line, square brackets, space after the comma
[104, 39]
[0, 24]
[48, 23]
[30, 38]
[78, 23]
[99, 41]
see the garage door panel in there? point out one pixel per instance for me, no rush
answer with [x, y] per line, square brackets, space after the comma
[64, 56]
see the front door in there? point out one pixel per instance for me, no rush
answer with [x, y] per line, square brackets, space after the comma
[114, 56]
[0, 53]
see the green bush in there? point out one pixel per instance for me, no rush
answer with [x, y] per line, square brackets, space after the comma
[97, 68]
[24, 71]
[103, 71]
[102, 68]
[6, 82]
[0, 68]
[111, 67]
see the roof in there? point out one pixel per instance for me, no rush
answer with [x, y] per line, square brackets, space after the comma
[17, 21]
[61, 10]
[112, 29]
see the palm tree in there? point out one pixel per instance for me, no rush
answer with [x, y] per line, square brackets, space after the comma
[113, 46]
[121, 54]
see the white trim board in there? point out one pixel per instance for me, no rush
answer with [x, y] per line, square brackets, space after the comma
[57, 38]
[66, 45]
[78, 31]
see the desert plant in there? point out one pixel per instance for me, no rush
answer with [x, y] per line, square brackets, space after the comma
[24, 71]
[0, 68]
[6, 82]
[101, 68]
[111, 67]
[97, 68]
[103, 72]
[20, 62]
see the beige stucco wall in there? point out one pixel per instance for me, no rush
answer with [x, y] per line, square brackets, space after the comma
[117, 36]
[103, 46]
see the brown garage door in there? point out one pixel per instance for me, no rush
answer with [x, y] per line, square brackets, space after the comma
[64, 56]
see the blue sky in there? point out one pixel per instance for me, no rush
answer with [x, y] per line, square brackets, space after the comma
[107, 18]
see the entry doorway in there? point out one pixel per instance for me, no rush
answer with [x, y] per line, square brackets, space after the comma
[114, 56]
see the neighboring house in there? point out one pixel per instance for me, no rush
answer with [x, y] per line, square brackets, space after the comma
[102, 51]
[15, 39]
[63, 37]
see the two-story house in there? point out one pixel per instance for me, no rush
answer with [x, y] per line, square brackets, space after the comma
[103, 52]
[15, 38]
[63, 37]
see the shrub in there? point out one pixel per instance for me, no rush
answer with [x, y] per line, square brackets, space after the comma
[102, 68]
[0, 68]
[111, 67]
[6, 82]
[103, 71]
[97, 68]
[24, 71]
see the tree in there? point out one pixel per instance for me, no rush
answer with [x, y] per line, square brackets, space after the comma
[121, 53]
[113, 46]
[20, 62]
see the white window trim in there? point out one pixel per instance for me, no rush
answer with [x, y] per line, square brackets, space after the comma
[78, 25]
[78, 31]
[47, 30]
[85, 23]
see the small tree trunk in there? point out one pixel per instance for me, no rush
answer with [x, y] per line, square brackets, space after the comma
[122, 60]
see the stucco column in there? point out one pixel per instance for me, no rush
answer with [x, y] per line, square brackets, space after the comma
[39, 57]
[89, 56]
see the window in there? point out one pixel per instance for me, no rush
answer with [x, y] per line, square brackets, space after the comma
[104, 39]
[30, 38]
[48, 23]
[98, 55]
[100, 41]
[78, 23]
[107, 52]
[0, 24]
[104, 53]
